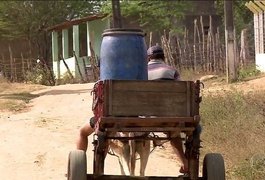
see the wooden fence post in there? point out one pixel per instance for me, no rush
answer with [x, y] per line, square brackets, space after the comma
[78, 67]
[15, 69]
[67, 67]
[3, 63]
[11, 63]
[199, 45]
[180, 53]
[244, 49]
[230, 42]
[84, 65]
[150, 39]
[185, 48]
[203, 44]
[213, 63]
[23, 66]
[194, 46]
[93, 61]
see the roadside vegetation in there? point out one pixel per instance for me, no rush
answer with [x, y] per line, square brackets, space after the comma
[233, 121]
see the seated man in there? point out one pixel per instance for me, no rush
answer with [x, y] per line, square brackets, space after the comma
[159, 70]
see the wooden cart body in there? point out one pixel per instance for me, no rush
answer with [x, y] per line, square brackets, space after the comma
[150, 106]
[146, 106]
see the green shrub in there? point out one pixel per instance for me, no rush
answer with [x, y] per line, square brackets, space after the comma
[248, 72]
[66, 79]
[39, 75]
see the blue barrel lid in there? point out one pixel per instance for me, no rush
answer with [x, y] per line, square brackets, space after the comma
[116, 31]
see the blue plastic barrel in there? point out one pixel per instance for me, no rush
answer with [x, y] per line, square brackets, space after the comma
[123, 55]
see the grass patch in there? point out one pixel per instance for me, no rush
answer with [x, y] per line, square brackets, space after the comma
[251, 168]
[15, 102]
[190, 75]
[12, 105]
[15, 96]
[234, 125]
[24, 96]
[248, 73]
[7, 87]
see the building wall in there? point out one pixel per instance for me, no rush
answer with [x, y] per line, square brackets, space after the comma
[96, 29]
[260, 62]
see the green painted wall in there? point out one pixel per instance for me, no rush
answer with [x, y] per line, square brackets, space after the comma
[95, 30]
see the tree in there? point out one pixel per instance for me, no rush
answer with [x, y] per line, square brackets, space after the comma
[152, 15]
[29, 19]
[242, 16]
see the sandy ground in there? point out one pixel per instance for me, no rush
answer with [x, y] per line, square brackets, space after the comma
[35, 144]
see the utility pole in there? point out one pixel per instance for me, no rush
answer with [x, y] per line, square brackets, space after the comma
[116, 13]
[230, 42]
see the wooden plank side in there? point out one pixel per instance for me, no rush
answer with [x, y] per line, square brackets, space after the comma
[135, 103]
[147, 98]
[148, 119]
[150, 129]
[123, 177]
[195, 98]
[147, 122]
[188, 95]
[192, 100]
[166, 86]
[110, 96]
[106, 97]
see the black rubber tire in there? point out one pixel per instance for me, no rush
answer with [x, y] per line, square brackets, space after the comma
[77, 165]
[213, 167]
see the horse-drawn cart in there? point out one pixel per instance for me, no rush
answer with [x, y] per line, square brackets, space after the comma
[146, 106]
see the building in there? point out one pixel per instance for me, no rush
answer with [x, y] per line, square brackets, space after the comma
[258, 9]
[72, 42]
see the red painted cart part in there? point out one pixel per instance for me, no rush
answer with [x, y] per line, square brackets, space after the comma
[97, 106]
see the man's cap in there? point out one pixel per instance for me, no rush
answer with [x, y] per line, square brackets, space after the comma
[154, 50]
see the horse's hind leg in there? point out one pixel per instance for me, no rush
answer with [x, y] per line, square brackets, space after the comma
[122, 150]
[132, 145]
[143, 149]
[125, 160]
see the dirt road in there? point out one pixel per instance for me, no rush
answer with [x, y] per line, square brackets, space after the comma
[35, 144]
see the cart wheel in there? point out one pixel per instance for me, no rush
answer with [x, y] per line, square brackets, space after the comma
[213, 167]
[77, 166]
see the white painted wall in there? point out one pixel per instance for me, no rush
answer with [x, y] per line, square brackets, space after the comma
[94, 33]
[260, 62]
